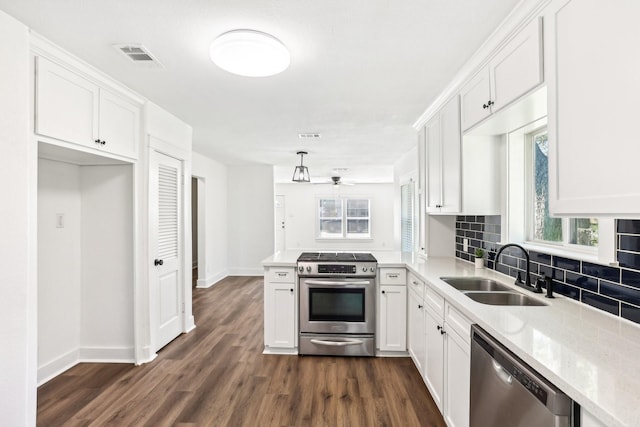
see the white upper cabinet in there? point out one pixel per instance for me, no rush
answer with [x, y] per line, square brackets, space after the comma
[592, 68]
[70, 108]
[515, 70]
[474, 99]
[443, 176]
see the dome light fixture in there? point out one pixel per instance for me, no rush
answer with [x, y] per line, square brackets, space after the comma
[301, 173]
[249, 53]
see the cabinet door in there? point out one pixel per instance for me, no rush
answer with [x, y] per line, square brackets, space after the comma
[433, 183]
[457, 379]
[451, 156]
[66, 105]
[422, 209]
[393, 318]
[119, 124]
[474, 97]
[279, 315]
[434, 357]
[593, 92]
[416, 331]
[517, 68]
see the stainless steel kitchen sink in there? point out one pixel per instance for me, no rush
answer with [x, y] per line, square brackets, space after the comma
[503, 298]
[475, 284]
[491, 292]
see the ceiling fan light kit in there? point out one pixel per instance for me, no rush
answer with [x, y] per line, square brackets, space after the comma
[301, 173]
[250, 53]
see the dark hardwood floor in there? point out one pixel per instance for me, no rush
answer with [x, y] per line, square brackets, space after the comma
[218, 376]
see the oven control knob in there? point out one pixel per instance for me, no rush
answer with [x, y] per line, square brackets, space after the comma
[364, 269]
[371, 269]
[301, 269]
[308, 268]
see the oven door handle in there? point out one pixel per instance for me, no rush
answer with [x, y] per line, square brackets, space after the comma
[330, 283]
[344, 343]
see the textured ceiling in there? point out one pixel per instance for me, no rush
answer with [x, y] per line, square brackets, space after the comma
[362, 71]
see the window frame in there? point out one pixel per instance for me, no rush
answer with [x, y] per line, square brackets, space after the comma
[564, 244]
[345, 235]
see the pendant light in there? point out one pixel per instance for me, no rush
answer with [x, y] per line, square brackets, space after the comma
[301, 173]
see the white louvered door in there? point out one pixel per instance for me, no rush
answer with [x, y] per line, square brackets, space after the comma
[165, 190]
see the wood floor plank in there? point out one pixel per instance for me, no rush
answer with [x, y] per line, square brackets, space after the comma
[218, 376]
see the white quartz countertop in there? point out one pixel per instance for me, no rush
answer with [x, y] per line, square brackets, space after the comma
[591, 355]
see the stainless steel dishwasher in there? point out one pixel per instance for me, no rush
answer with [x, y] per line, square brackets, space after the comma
[507, 392]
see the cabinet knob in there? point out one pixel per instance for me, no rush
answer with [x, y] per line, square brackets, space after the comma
[485, 106]
[97, 141]
[158, 262]
[384, 292]
[438, 327]
[419, 306]
[291, 289]
[490, 103]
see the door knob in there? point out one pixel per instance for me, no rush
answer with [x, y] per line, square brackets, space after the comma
[158, 262]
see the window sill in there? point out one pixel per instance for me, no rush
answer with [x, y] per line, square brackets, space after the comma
[344, 239]
[590, 256]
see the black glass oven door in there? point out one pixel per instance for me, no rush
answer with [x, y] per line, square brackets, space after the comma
[337, 305]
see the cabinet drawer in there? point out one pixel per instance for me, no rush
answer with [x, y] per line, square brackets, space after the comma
[434, 301]
[416, 285]
[458, 322]
[281, 275]
[393, 276]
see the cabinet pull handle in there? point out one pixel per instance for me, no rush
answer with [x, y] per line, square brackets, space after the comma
[282, 274]
[392, 276]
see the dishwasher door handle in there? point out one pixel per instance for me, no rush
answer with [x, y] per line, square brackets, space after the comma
[502, 373]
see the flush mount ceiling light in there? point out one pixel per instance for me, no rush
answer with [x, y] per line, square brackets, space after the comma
[249, 53]
[301, 173]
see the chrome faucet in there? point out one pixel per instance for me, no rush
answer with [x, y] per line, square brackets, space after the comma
[527, 279]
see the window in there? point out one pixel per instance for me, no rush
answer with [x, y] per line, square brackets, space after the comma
[581, 232]
[407, 215]
[341, 218]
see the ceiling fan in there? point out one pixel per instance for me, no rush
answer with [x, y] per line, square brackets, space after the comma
[336, 181]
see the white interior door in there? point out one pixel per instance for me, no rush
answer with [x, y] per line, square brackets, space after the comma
[280, 224]
[165, 190]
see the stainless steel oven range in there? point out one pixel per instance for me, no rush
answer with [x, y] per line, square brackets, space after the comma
[337, 303]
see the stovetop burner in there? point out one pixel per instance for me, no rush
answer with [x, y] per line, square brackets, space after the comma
[336, 257]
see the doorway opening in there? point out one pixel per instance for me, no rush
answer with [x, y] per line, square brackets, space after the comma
[198, 247]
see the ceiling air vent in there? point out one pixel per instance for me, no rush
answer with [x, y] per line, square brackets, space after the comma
[309, 135]
[138, 54]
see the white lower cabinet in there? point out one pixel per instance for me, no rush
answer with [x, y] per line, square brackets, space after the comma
[280, 308]
[392, 333]
[457, 378]
[588, 420]
[434, 357]
[416, 324]
[440, 346]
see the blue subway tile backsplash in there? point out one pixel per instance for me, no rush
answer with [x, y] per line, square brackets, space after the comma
[611, 289]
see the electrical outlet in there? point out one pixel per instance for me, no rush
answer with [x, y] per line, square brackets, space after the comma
[60, 220]
[465, 245]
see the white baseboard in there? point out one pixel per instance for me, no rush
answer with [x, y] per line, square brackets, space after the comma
[284, 351]
[146, 355]
[57, 366]
[70, 359]
[191, 324]
[212, 280]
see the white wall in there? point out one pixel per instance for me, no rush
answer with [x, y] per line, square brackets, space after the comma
[59, 266]
[18, 181]
[107, 263]
[300, 216]
[212, 187]
[250, 218]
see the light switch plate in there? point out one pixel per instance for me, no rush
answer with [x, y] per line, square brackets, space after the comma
[60, 220]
